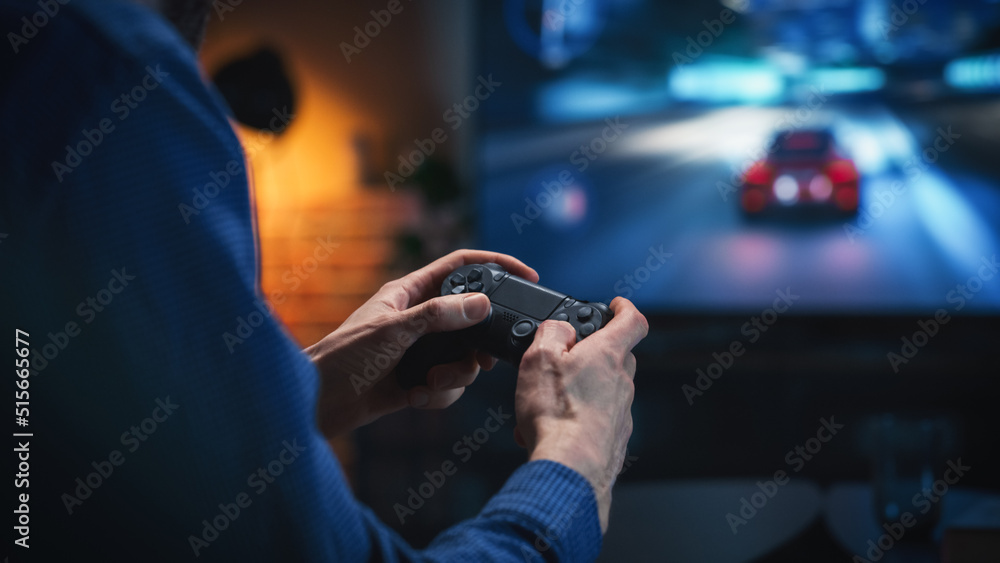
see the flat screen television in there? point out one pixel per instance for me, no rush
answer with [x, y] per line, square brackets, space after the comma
[621, 156]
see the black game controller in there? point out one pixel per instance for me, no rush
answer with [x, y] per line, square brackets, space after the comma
[518, 307]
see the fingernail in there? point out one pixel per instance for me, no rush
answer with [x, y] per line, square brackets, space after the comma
[475, 307]
[420, 399]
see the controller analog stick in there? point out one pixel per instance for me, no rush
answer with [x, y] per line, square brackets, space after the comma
[523, 331]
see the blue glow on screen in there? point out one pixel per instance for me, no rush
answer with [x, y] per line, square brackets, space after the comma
[726, 81]
[974, 73]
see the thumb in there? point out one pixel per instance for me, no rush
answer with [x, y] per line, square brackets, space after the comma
[448, 313]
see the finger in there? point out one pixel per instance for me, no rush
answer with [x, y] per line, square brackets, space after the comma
[426, 282]
[626, 329]
[425, 398]
[390, 397]
[557, 336]
[446, 313]
[453, 375]
[486, 360]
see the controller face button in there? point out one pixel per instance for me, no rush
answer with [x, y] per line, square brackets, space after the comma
[561, 317]
[476, 275]
[523, 330]
[584, 313]
[475, 286]
[457, 279]
[587, 329]
[458, 289]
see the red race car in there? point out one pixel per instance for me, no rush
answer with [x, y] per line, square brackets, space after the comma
[804, 167]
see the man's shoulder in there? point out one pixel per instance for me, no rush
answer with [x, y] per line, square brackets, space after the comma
[77, 66]
[123, 28]
[66, 52]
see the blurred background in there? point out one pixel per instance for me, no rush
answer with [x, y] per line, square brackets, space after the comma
[803, 197]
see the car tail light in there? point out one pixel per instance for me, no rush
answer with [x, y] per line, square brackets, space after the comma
[759, 174]
[842, 172]
[846, 198]
[844, 176]
[753, 200]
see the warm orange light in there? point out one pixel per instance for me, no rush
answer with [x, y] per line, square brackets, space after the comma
[324, 238]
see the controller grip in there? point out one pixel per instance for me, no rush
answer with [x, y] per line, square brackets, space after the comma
[429, 350]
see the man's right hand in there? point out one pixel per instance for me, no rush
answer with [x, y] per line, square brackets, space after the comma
[573, 400]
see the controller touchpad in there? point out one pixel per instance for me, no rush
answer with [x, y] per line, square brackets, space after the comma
[529, 300]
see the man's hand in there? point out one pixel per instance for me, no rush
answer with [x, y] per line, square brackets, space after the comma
[573, 399]
[355, 360]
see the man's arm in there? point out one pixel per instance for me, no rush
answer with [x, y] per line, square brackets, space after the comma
[574, 399]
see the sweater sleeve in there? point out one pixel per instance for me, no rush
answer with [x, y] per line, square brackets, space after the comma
[545, 512]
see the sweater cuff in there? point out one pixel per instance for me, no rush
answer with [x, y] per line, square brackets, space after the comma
[556, 505]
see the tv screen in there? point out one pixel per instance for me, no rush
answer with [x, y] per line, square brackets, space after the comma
[836, 157]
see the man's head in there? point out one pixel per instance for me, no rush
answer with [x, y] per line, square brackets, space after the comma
[189, 16]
